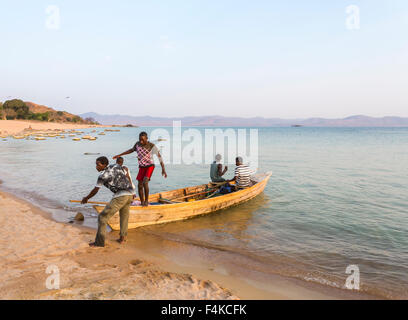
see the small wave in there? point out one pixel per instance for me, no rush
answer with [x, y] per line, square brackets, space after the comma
[323, 281]
[283, 266]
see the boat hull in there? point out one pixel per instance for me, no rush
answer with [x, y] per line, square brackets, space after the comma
[156, 214]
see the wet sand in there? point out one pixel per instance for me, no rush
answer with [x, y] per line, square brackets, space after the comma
[146, 267]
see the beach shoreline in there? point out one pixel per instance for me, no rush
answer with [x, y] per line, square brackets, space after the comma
[147, 267]
[16, 127]
[31, 243]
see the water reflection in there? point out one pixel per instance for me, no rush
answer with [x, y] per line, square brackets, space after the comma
[221, 228]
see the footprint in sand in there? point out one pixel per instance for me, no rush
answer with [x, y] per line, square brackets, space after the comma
[136, 262]
[140, 263]
[104, 266]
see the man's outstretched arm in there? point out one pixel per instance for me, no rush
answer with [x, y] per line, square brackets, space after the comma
[164, 174]
[90, 195]
[123, 153]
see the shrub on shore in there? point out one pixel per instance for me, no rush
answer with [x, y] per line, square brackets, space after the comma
[17, 109]
[2, 115]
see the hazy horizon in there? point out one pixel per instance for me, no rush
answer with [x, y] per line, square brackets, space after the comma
[229, 116]
[243, 59]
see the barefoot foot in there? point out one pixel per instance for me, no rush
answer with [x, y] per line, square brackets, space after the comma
[121, 240]
[94, 245]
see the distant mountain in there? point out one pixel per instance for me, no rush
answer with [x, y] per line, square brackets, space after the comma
[219, 121]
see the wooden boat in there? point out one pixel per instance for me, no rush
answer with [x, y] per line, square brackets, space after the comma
[181, 204]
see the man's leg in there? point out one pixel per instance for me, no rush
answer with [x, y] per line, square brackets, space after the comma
[139, 179]
[140, 190]
[103, 219]
[146, 190]
[124, 219]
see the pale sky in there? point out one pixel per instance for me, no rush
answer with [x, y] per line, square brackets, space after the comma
[287, 59]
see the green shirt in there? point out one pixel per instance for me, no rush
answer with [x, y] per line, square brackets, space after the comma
[215, 177]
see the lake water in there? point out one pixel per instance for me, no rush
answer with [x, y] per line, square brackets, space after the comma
[337, 197]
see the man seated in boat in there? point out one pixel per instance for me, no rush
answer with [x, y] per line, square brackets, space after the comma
[114, 178]
[242, 175]
[145, 151]
[216, 170]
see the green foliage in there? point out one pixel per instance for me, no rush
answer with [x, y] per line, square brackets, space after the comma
[39, 116]
[76, 119]
[16, 109]
[91, 120]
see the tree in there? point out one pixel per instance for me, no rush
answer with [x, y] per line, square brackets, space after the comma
[2, 115]
[10, 114]
[16, 109]
[44, 116]
[39, 116]
[76, 119]
[91, 120]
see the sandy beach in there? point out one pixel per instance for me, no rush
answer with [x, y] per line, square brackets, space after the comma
[15, 127]
[30, 243]
[144, 268]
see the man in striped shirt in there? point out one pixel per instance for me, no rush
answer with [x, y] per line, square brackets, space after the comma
[243, 174]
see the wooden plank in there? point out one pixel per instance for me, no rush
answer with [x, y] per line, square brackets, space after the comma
[192, 195]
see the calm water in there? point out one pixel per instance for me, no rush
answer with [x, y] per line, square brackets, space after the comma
[338, 197]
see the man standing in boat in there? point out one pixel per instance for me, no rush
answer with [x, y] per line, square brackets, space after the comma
[145, 151]
[115, 179]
